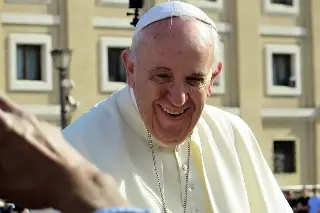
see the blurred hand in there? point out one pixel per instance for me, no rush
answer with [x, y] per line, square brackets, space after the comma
[39, 169]
[24, 211]
[11, 208]
[299, 206]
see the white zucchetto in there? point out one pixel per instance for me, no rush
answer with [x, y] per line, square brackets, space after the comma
[171, 9]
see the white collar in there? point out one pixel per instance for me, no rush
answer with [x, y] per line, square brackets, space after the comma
[133, 97]
[129, 110]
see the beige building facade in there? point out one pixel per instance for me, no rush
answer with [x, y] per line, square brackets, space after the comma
[270, 49]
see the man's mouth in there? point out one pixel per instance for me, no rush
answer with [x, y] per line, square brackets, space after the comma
[174, 112]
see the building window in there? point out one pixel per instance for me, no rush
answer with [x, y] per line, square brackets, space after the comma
[117, 70]
[216, 82]
[112, 70]
[284, 2]
[283, 67]
[284, 157]
[30, 63]
[283, 74]
[282, 7]
[219, 82]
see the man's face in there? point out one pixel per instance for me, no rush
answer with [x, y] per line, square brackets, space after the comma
[172, 76]
[305, 192]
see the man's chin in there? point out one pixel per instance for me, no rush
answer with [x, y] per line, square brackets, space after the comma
[170, 137]
[170, 134]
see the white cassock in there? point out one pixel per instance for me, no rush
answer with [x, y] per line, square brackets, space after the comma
[228, 172]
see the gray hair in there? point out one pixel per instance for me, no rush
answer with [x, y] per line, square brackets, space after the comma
[216, 39]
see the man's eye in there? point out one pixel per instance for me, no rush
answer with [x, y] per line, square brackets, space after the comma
[163, 75]
[195, 81]
[161, 78]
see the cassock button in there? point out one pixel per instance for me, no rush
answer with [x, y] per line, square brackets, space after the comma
[195, 210]
[191, 187]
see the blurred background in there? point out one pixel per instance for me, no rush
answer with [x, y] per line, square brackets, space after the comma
[60, 57]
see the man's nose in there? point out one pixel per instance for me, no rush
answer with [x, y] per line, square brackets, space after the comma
[178, 95]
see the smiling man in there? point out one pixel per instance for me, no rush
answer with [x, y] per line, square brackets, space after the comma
[167, 149]
[171, 66]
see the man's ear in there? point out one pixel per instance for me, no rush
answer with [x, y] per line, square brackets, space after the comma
[127, 60]
[213, 78]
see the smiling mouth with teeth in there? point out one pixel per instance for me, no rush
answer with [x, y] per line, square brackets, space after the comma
[174, 112]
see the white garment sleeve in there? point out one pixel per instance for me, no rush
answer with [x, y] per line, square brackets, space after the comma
[74, 135]
[264, 193]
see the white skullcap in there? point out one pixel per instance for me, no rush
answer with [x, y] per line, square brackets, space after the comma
[168, 10]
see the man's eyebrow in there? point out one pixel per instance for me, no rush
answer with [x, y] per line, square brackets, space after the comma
[162, 68]
[198, 75]
[159, 68]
